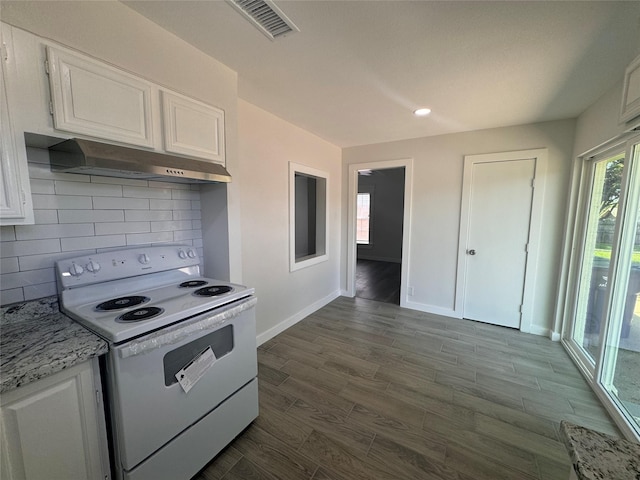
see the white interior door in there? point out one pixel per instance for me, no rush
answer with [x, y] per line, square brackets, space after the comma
[499, 216]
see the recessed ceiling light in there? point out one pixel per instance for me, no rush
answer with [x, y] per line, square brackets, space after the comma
[422, 112]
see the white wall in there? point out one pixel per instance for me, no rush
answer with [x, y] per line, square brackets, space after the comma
[435, 216]
[267, 145]
[599, 123]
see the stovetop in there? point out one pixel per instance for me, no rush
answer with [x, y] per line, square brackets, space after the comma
[130, 303]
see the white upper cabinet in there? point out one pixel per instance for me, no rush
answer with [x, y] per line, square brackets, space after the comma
[58, 93]
[631, 92]
[15, 192]
[192, 128]
[92, 98]
[10, 192]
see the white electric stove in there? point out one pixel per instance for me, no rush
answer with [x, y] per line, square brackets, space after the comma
[181, 370]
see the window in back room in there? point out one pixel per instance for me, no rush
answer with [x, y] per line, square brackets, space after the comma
[363, 217]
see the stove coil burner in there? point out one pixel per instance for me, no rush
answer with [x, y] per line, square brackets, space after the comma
[140, 314]
[122, 302]
[213, 291]
[193, 284]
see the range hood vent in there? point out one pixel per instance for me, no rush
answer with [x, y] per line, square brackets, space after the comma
[95, 158]
[265, 16]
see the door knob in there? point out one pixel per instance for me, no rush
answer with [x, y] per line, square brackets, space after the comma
[471, 252]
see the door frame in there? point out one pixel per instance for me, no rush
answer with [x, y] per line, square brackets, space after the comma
[352, 253]
[540, 155]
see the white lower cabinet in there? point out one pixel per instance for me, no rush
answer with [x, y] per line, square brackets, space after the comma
[54, 428]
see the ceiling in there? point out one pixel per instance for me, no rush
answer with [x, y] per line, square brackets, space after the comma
[357, 69]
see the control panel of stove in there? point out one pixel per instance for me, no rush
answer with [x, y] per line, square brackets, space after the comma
[105, 266]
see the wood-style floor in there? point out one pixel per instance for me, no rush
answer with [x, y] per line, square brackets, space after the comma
[377, 280]
[367, 390]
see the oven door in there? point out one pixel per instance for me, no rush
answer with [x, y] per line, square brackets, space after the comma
[149, 406]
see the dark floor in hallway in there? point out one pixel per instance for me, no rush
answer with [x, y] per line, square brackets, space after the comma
[378, 281]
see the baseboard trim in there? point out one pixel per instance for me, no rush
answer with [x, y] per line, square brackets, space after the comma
[292, 320]
[543, 332]
[451, 313]
[423, 307]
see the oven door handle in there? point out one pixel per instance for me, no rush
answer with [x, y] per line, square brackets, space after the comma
[172, 335]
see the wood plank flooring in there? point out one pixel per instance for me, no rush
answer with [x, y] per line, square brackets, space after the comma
[368, 390]
[377, 280]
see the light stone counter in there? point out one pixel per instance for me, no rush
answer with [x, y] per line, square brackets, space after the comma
[36, 341]
[597, 456]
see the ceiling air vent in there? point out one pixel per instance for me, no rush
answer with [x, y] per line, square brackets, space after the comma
[266, 16]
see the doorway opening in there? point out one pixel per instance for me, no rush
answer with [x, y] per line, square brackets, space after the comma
[379, 217]
[378, 225]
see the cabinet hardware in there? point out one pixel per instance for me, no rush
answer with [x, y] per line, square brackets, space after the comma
[5, 52]
[46, 66]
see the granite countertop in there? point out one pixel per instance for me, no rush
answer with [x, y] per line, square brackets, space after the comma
[37, 340]
[598, 456]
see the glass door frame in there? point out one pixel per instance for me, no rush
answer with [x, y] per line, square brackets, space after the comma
[577, 221]
[624, 242]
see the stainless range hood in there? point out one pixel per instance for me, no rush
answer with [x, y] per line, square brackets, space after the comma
[95, 158]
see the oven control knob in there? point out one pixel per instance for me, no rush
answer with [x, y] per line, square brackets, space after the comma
[182, 254]
[76, 270]
[144, 258]
[191, 254]
[93, 266]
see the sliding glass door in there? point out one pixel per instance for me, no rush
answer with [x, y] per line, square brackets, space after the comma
[605, 317]
[620, 370]
[601, 222]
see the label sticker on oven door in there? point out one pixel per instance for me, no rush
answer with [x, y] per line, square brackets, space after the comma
[195, 369]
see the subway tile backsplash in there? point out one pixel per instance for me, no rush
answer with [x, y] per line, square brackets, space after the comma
[81, 214]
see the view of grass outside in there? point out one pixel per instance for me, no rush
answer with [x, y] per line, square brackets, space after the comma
[606, 254]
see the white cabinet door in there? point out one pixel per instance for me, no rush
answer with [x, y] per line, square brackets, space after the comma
[15, 192]
[93, 98]
[631, 92]
[192, 128]
[51, 429]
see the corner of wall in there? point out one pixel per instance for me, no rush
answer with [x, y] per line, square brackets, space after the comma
[295, 318]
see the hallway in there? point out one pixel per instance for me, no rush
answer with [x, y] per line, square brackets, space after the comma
[378, 281]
